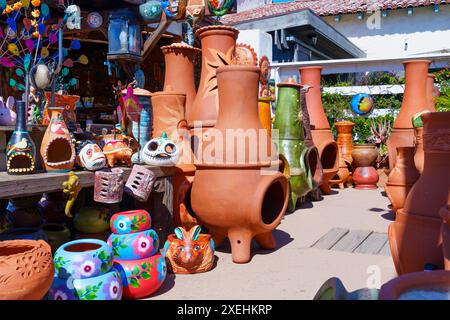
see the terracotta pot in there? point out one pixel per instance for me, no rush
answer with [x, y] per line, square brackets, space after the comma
[402, 177]
[365, 176]
[414, 101]
[253, 203]
[329, 156]
[180, 60]
[57, 234]
[415, 235]
[218, 46]
[27, 269]
[91, 220]
[401, 288]
[57, 148]
[364, 155]
[445, 231]
[265, 114]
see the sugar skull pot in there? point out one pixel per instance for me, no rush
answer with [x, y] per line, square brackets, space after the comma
[90, 156]
[161, 152]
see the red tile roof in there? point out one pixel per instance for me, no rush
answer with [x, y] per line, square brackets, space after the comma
[325, 8]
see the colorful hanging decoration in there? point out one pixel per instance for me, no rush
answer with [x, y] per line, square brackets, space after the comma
[220, 7]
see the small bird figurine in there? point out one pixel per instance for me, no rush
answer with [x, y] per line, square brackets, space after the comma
[21, 145]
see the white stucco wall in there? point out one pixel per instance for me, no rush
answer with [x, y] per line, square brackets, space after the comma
[243, 5]
[425, 32]
[258, 40]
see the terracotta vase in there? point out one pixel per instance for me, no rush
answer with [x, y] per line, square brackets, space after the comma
[180, 60]
[419, 154]
[264, 114]
[402, 177]
[414, 101]
[218, 46]
[445, 231]
[26, 267]
[403, 287]
[431, 92]
[345, 144]
[321, 132]
[414, 237]
[57, 148]
[252, 203]
[365, 175]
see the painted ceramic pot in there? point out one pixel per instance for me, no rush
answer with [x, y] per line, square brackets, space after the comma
[24, 234]
[82, 259]
[107, 286]
[26, 268]
[21, 150]
[445, 231]
[174, 9]
[140, 183]
[141, 278]
[130, 222]
[108, 186]
[91, 220]
[334, 289]
[265, 114]
[429, 285]
[364, 155]
[414, 101]
[189, 252]
[220, 8]
[151, 11]
[415, 236]
[134, 246]
[57, 234]
[402, 177]
[60, 290]
[57, 149]
[365, 175]
[259, 201]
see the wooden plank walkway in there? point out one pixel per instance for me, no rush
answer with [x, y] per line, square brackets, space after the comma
[354, 241]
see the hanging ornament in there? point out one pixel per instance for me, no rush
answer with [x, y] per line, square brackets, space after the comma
[68, 63]
[75, 44]
[74, 17]
[19, 72]
[41, 28]
[35, 13]
[73, 82]
[25, 3]
[6, 62]
[83, 59]
[8, 9]
[13, 49]
[12, 24]
[27, 24]
[65, 72]
[44, 52]
[12, 82]
[27, 62]
[52, 38]
[29, 43]
[3, 4]
[45, 10]
[17, 6]
[36, 3]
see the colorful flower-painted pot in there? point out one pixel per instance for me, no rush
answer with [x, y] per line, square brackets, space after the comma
[57, 234]
[134, 246]
[81, 259]
[91, 220]
[24, 234]
[62, 289]
[105, 287]
[151, 11]
[130, 222]
[141, 278]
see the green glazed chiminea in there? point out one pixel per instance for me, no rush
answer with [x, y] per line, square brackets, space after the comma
[290, 141]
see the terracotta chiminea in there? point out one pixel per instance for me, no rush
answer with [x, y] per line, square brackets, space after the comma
[402, 177]
[321, 132]
[180, 60]
[415, 237]
[235, 193]
[414, 101]
[345, 144]
[445, 231]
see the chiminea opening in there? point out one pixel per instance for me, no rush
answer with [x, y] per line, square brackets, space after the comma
[82, 247]
[12, 250]
[59, 150]
[313, 163]
[329, 156]
[273, 203]
[20, 161]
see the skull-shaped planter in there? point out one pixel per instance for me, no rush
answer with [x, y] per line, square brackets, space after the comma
[91, 157]
[160, 152]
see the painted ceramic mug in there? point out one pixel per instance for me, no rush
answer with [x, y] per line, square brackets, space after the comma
[141, 278]
[82, 259]
[134, 246]
[130, 222]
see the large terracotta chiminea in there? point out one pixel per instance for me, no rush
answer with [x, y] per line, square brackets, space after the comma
[321, 132]
[180, 60]
[414, 101]
[415, 237]
[235, 193]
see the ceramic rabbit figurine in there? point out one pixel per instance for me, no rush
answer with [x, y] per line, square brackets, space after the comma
[189, 252]
[7, 115]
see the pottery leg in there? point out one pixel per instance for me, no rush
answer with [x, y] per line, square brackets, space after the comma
[240, 241]
[325, 187]
[266, 241]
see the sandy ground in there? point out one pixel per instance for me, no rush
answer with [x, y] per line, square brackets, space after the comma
[294, 270]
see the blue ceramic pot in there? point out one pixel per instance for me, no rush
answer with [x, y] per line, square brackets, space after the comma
[134, 246]
[81, 259]
[151, 10]
[24, 234]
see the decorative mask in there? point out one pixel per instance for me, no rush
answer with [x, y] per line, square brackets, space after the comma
[174, 9]
[160, 152]
[74, 20]
[91, 157]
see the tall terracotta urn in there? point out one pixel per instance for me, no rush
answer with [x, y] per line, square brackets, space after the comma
[321, 132]
[419, 154]
[180, 60]
[415, 237]
[402, 177]
[431, 91]
[414, 101]
[345, 144]
[236, 193]
[445, 231]
[365, 175]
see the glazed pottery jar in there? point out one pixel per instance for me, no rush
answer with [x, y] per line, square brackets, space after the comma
[26, 268]
[218, 46]
[189, 252]
[402, 177]
[432, 285]
[57, 148]
[20, 151]
[415, 236]
[81, 259]
[108, 186]
[445, 231]
[265, 114]
[134, 246]
[91, 220]
[414, 101]
[179, 76]
[141, 278]
[365, 175]
[334, 289]
[57, 234]
[130, 222]
[24, 234]
[151, 11]
[256, 202]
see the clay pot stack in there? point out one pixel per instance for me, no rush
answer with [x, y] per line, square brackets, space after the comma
[365, 176]
[135, 248]
[321, 132]
[415, 236]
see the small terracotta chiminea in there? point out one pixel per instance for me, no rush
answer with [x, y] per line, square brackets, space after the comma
[445, 231]
[415, 236]
[414, 101]
[321, 132]
[235, 193]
